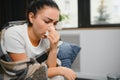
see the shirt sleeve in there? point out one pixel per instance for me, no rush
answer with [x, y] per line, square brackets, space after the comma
[13, 41]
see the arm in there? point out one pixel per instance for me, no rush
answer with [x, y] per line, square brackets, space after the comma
[14, 44]
[54, 39]
[69, 74]
[18, 57]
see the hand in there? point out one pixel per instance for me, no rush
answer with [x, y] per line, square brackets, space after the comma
[54, 37]
[68, 73]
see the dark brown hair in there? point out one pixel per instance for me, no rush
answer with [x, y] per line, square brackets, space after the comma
[35, 5]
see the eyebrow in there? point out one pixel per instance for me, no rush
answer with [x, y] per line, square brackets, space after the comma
[51, 19]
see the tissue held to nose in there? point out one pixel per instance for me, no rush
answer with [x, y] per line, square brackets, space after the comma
[46, 34]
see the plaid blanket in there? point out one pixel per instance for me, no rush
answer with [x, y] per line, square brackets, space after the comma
[23, 70]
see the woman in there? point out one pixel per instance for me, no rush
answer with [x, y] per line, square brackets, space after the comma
[30, 40]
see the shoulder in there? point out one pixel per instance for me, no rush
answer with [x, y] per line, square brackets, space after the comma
[15, 34]
[16, 30]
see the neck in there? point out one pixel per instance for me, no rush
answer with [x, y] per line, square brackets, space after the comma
[32, 37]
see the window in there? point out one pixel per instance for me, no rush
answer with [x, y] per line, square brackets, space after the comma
[99, 13]
[69, 8]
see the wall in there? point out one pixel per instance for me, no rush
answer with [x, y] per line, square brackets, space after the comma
[100, 53]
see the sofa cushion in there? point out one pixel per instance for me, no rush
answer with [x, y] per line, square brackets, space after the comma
[67, 53]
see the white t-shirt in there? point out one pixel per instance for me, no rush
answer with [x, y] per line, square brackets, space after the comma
[16, 40]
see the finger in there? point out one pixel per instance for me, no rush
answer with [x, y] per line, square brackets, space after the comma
[54, 36]
[72, 74]
[73, 77]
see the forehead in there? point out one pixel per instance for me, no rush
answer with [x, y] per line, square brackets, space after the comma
[50, 12]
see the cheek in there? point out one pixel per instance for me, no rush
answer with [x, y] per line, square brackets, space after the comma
[40, 27]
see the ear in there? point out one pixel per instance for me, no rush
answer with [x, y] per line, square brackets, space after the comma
[31, 17]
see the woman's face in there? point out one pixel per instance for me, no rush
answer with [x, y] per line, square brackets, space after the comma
[45, 19]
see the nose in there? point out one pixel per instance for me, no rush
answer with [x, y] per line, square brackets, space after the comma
[51, 27]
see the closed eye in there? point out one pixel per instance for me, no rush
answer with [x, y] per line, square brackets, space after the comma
[55, 23]
[47, 21]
